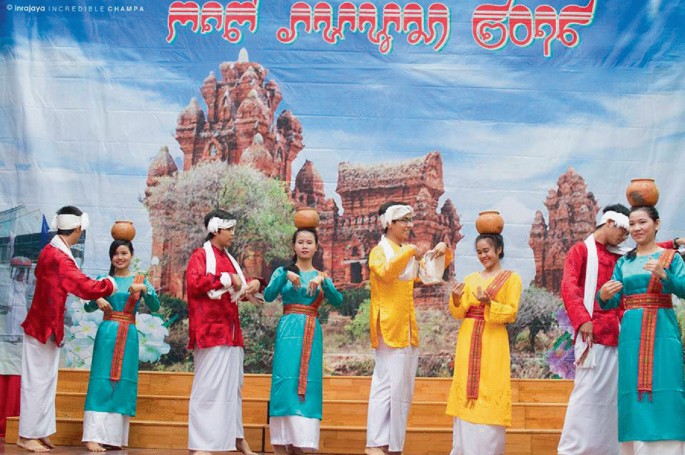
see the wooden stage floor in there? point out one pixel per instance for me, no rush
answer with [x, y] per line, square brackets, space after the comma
[7, 448]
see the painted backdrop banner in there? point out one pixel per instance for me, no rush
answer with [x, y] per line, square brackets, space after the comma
[158, 111]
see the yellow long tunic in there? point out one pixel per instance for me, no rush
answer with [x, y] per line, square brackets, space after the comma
[493, 406]
[392, 300]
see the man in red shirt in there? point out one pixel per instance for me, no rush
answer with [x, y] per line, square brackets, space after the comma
[56, 276]
[215, 283]
[591, 424]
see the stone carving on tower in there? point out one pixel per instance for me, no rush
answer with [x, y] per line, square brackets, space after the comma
[240, 119]
[572, 217]
[346, 240]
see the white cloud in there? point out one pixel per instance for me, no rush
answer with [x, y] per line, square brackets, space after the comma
[65, 104]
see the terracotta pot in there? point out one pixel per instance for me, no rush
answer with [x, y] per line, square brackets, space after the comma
[123, 230]
[306, 217]
[642, 192]
[489, 222]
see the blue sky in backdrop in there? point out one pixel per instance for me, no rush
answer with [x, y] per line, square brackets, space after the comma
[86, 100]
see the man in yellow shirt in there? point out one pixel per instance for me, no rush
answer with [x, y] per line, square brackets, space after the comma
[394, 266]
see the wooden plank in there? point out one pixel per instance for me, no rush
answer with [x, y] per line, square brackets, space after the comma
[144, 435]
[155, 407]
[335, 387]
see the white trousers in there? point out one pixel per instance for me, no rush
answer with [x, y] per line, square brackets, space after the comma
[107, 428]
[39, 365]
[477, 439]
[215, 414]
[653, 448]
[302, 432]
[591, 424]
[392, 389]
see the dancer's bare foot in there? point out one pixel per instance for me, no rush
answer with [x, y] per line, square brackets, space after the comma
[94, 447]
[242, 446]
[374, 451]
[200, 452]
[32, 445]
[47, 442]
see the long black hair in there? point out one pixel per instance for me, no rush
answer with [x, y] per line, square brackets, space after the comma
[113, 250]
[651, 212]
[292, 266]
[496, 240]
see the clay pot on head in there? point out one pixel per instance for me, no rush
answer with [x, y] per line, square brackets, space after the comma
[306, 217]
[642, 192]
[489, 222]
[123, 230]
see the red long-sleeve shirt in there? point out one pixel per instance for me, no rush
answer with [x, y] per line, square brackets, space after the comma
[211, 322]
[604, 322]
[56, 276]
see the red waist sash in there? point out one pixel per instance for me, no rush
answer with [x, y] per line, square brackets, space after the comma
[476, 350]
[311, 311]
[650, 302]
[125, 319]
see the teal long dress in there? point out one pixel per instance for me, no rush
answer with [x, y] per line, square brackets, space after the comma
[663, 417]
[289, 334]
[103, 394]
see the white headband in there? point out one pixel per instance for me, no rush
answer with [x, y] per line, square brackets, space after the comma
[217, 223]
[395, 212]
[68, 221]
[618, 218]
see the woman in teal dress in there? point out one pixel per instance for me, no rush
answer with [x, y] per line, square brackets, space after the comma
[113, 383]
[651, 386]
[296, 395]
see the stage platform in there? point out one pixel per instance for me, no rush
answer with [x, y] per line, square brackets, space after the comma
[162, 415]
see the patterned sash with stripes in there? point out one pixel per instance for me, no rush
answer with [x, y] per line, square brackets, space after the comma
[476, 351]
[125, 319]
[311, 311]
[650, 302]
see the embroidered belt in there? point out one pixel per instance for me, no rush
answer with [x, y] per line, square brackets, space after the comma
[120, 316]
[650, 303]
[125, 319]
[311, 311]
[477, 313]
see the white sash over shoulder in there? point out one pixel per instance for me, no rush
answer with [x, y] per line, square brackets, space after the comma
[215, 294]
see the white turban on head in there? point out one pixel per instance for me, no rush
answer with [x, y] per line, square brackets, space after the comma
[394, 213]
[68, 221]
[217, 223]
[618, 218]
